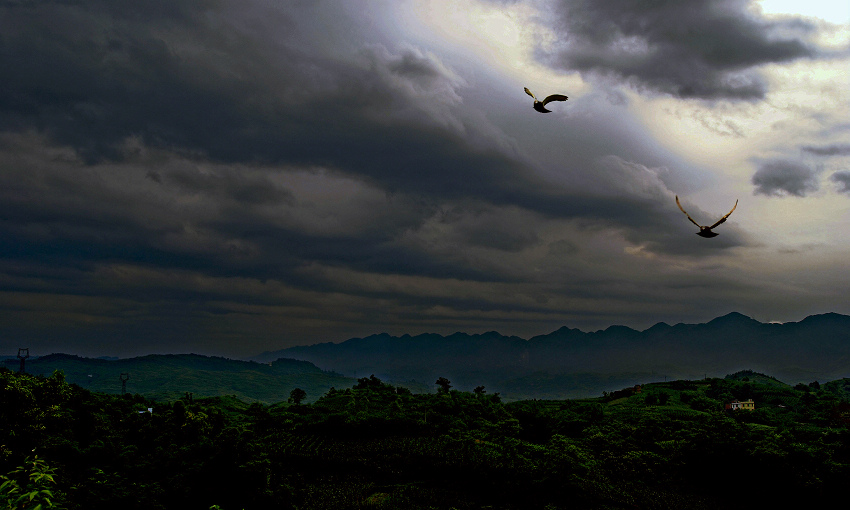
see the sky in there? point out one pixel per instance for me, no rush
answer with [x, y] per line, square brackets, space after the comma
[231, 177]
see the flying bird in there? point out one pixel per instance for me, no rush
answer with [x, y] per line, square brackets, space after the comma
[703, 230]
[540, 106]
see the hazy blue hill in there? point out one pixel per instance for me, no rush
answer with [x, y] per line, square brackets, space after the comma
[816, 348]
[829, 330]
[170, 376]
[622, 333]
[420, 358]
[734, 320]
[658, 328]
[828, 320]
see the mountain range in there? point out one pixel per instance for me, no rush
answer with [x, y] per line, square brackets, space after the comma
[571, 363]
[566, 363]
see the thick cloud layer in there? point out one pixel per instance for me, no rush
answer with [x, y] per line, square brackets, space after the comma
[708, 49]
[784, 177]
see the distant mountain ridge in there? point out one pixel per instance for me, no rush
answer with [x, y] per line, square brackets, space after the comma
[816, 348]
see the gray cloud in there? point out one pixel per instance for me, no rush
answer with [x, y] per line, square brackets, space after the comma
[781, 177]
[843, 180]
[207, 88]
[203, 85]
[838, 149]
[93, 75]
[242, 185]
[707, 49]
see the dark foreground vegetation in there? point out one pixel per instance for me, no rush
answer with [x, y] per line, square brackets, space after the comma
[671, 445]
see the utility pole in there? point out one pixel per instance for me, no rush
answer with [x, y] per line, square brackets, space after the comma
[124, 377]
[23, 354]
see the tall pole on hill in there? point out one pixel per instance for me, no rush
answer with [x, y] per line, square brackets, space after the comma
[124, 377]
[23, 354]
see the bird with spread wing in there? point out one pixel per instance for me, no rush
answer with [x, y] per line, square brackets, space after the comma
[540, 106]
[705, 231]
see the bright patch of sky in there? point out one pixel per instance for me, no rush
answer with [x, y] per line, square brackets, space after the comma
[805, 100]
[502, 36]
[833, 11]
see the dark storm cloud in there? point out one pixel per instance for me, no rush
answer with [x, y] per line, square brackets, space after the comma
[843, 180]
[780, 177]
[507, 230]
[239, 102]
[708, 49]
[206, 77]
[199, 159]
[194, 80]
[234, 184]
[218, 219]
[838, 149]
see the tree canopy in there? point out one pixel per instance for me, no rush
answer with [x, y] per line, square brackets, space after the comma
[374, 445]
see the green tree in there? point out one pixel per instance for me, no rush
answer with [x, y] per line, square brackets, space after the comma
[297, 395]
[179, 413]
[371, 383]
[444, 385]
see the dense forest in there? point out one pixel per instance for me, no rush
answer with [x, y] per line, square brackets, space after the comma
[374, 445]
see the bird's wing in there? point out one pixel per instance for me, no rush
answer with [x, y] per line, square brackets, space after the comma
[686, 214]
[529, 93]
[555, 97]
[721, 220]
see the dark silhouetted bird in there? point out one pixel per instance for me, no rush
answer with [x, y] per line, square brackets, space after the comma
[706, 231]
[540, 106]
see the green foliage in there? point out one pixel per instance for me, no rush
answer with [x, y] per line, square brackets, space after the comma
[370, 383]
[29, 487]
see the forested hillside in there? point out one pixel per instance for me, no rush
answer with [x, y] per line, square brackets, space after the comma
[374, 445]
[171, 376]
